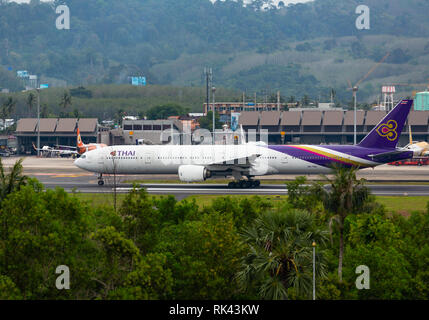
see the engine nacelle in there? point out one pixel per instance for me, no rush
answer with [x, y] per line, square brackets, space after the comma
[190, 173]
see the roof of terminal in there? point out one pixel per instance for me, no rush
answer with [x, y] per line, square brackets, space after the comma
[57, 125]
[333, 118]
[311, 118]
[291, 118]
[249, 118]
[349, 118]
[270, 118]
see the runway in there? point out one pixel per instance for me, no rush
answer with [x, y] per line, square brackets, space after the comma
[62, 173]
[183, 190]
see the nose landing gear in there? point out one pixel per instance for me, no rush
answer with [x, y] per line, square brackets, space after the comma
[100, 180]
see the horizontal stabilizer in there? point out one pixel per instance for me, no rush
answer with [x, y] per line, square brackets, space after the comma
[391, 156]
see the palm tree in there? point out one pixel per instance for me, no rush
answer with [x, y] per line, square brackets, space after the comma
[12, 181]
[66, 100]
[305, 100]
[280, 254]
[7, 109]
[333, 95]
[347, 195]
[31, 101]
[9, 183]
[44, 113]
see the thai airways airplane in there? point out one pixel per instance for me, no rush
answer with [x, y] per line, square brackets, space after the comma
[195, 163]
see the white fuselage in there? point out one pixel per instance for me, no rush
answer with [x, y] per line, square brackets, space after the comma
[166, 159]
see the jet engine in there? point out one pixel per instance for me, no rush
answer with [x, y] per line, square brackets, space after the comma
[190, 173]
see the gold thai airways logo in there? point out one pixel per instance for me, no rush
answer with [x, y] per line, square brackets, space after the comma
[388, 130]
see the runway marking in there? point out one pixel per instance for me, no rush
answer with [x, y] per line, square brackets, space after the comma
[177, 190]
[65, 175]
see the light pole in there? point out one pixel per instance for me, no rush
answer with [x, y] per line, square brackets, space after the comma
[38, 121]
[314, 270]
[355, 90]
[213, 110]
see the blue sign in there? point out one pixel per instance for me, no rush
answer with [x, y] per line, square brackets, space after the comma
[138, 81]
[234, 121]
[250, 104]
[44, 86]
[9, 68]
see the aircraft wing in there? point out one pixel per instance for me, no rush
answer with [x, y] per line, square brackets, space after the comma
[243, 162]
[69, 147]
[233, 158]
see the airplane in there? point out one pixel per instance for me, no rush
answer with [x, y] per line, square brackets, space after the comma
[82, 148]
[51, 152]
[420, 149]
[196, 163]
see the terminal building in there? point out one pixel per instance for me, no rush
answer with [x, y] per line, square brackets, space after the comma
[303, 126]
[141, 132]
[54, 131]
[326, 127]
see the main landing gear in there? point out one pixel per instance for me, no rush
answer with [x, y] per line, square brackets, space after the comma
[100, 180]
[244, 184]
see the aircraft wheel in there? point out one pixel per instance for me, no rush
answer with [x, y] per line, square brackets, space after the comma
[249, 184]
[257, 183]
[231, 185]
[100, 182]
[242, 184]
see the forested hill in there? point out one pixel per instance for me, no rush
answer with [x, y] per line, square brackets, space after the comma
[170, 42]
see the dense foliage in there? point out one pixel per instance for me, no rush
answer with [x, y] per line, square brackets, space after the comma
[170, 42]
[159, 248]
[107, 102]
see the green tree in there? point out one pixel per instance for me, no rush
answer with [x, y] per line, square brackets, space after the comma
[203, 256]
[66, 100]
[140, 219]
[8, 289]
[305, 101]
[279, 255]
[41, 230]
[13, 181]
[7, 108]
[151, 279]
[302, 195]
[346, 196]
[120, 256]
[207, 121]
[165, 111]
[31, 101]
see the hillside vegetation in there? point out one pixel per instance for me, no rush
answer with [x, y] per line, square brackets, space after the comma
[109, 101]
[300, 49]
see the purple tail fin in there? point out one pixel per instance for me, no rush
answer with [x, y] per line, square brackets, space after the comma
[386, 134]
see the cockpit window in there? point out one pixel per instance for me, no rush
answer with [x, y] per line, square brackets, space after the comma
[83, 157]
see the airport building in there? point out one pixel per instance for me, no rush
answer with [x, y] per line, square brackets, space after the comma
[54, 131]
[326, 127]
[141, 132]
[301, 126]
[421, 101]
